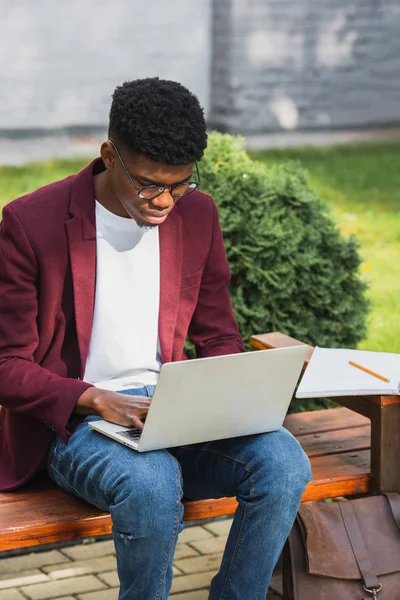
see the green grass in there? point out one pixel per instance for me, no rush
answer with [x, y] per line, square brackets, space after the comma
[361, 184]
[16, 181]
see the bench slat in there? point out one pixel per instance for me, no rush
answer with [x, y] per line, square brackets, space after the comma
[300, 424]
[52, 515]
[336, 475]
[275, 339]
[336, 442]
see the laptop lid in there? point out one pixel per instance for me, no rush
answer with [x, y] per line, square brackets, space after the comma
[221, 397]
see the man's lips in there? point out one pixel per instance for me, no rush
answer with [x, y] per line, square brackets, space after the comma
[155, 217]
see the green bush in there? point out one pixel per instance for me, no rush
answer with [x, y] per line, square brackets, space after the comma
[292, 270]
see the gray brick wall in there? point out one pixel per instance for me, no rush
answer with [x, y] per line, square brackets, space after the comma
[256, 65]
[60, 61]
[305, 64]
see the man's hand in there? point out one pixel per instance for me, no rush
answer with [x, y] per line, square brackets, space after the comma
[129, 411]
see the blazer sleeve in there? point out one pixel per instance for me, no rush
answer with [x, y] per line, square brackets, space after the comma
[213, 328]
[25, 386]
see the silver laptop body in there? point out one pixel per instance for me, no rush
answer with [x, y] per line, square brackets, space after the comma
[215, 398]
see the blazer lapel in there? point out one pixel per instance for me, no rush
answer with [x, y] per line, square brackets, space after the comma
[170, 281]
[81, 232]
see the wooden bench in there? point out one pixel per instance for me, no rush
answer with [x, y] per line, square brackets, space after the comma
[353, 450]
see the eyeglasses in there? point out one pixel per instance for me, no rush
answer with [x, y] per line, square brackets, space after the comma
[149, 192]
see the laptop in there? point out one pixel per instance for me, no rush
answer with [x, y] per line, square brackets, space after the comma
[208, 399]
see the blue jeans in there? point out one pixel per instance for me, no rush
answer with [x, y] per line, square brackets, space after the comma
[143, 492]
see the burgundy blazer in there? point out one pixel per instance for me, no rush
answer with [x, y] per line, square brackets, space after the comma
[47, 288]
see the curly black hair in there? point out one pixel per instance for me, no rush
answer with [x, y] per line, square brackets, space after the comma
[160, 119]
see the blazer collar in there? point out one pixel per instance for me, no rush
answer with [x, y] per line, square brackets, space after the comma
[82, 193]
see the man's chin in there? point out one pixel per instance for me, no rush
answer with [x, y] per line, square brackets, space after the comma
[141, 220]
[146, 225]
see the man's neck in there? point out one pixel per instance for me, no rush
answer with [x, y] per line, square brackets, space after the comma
[105, 195]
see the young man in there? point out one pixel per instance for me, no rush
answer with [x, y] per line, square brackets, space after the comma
[103, 275]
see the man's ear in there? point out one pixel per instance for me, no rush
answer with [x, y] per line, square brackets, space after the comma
[108, 155]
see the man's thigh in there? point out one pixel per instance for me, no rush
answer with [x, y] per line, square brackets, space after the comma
[217, 469]
[98, 469]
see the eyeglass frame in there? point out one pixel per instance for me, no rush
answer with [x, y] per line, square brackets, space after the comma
[161, 188]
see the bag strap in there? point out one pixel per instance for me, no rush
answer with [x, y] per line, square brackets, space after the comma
[364, 562]
[394, 503]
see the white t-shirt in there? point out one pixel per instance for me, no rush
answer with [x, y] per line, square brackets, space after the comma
[124, 348]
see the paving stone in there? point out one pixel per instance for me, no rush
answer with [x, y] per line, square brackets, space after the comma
[198, 564]
[185, 551]
[110, 578]
[87, 551]
[11, 595]
[10, 580]
[211, 546]
[57, 589]
[110, 594]
[31, 561]
[199, 595]
[219, 527]
[192, 534]
[188, 583]
[81, 567]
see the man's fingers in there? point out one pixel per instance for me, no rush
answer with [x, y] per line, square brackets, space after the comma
[129, 411]
[135, 399]
[136, 422]
[137, 418]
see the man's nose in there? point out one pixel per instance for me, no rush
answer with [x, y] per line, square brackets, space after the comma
[163, 200]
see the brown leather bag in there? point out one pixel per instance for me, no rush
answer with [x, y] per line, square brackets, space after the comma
[345, 550]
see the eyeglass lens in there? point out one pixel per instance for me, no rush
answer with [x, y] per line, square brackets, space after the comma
[181, 190]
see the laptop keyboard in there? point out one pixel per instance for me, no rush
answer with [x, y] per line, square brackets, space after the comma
[131, 434]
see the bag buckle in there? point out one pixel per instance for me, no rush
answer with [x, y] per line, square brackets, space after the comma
[373, 591]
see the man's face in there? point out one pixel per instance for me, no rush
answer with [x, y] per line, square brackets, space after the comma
[144, 172]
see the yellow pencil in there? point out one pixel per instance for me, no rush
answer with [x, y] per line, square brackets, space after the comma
[369, 371]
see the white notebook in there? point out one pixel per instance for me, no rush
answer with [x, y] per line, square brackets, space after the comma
[329, 373]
